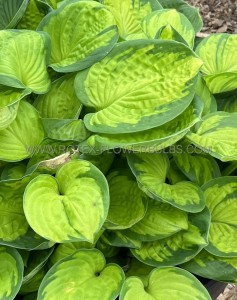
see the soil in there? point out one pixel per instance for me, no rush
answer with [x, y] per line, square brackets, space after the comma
[218, 15]
[230, 293]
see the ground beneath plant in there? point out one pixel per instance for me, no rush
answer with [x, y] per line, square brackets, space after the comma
[230, 293]
[218, 15]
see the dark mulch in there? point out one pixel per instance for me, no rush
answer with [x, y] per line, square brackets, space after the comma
[218, 15]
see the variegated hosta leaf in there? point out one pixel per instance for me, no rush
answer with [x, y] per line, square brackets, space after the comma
[32, 16]
[213, 267]
[9, 103]
[197, 168]
[87, 31]
[128, 203]
[34, 283]
[24, 132]
[207, 98]
[151, 140]
[13, 171]
[65, 249]
[220, 62]
[165, 283]
[216, 135]
[161, 220]
[151, 170]
[117, 238]
[65, 130]
[82, 275]
[178, 248]
[128, 15]
[139, 269]
[23, 60]
[227, 101]
[11, 11]
[192, 13]
[71, 207]
[12, 268]
[143, 71]
[14, 229]
[168, 18]
[221, 194]
[61, 101]
[103, 162]
[35, 262]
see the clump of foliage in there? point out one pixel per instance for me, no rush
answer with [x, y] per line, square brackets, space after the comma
[118, 150]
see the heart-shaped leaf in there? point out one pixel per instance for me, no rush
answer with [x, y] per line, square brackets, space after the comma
[151, 140]
[25, 132]
[71, 207]
[87, 31]
[220, 62]
[221, 194]
[151, 171]
[192, 13]
[165, 283]
[210, 266]
[82, 275]
[178, 248]
[216, 135]
[24, 57]
[127, 202]
[137, 65]
[155, 21]
[61, 101]
[12, 268]
[11, 11]
[161, 220]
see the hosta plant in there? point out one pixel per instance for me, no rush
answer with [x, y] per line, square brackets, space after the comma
[118, 151]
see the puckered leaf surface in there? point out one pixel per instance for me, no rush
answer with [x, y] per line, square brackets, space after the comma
[150, 140]
[166, 20]
[152, 83]
[82, 33]
[24, 56]
[71, 207]
[82, 275]
[165, 283]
